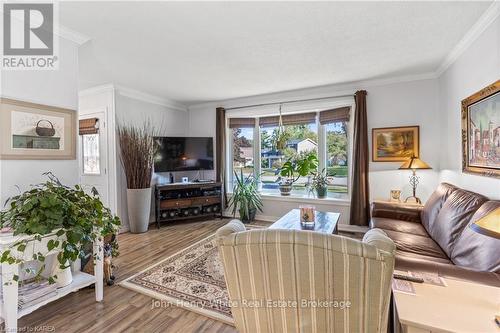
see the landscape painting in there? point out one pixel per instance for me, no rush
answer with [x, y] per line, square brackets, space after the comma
[481, 132]
[395, 144]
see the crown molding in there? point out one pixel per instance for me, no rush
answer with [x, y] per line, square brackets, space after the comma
[97, 90]
[72, 35]
[148, 98]
[475, 31]
[134, 94]
[332, 90]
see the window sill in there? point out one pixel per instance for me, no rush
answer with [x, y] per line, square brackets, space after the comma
[302, 198]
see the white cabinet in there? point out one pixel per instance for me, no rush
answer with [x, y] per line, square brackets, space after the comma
[9, 307]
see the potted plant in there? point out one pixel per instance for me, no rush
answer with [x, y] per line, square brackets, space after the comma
[246, 198]
[76, 219]
[293, 169]
[137, 147]
[320, 183]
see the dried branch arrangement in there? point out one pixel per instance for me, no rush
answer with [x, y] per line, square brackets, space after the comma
[137, 147]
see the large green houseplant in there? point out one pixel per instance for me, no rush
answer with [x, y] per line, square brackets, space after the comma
[76, 218]
[293, 169]
[246, 197]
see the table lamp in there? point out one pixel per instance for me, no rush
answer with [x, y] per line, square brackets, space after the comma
[489, 225]
[414, 163]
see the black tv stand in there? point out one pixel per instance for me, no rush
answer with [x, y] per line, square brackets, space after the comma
[187, 201]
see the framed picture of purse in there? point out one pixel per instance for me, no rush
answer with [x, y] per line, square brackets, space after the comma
[30, 131]
[481, 132]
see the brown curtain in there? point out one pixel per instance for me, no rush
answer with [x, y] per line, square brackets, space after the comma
[88, 126]
[334, 115]
[291, 119]
[220, 150]
[241, 122]
[360, 194]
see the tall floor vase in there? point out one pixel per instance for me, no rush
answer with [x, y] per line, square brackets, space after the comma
[139, 208]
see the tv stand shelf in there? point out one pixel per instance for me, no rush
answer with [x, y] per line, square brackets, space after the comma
[185, 201]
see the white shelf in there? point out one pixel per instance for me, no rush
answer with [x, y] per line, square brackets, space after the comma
[80, 280]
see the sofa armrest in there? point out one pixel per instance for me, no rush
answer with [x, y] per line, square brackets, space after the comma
[397, 211]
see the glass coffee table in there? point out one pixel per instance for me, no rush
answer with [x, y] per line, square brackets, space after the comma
[325, 222]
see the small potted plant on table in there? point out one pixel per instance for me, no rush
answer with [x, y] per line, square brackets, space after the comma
[246, 198]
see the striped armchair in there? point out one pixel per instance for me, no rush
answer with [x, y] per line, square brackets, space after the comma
[301, 281]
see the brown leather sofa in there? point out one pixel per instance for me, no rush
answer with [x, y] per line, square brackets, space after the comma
[437, 237]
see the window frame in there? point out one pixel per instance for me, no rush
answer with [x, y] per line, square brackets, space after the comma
[322, 151]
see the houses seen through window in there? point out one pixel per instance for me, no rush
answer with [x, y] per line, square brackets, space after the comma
[260, 146]
[301, 140]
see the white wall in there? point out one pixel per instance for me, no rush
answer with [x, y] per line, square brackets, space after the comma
[56, 88]
[167, 121]
[477, 67]
[388, 104]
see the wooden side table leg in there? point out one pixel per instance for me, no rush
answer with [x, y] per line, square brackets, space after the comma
[10, 296]
[99, 269]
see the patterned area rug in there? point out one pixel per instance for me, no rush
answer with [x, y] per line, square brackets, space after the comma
[192, 278]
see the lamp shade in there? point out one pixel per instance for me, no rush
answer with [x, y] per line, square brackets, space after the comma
[414, 163]
[488, 225]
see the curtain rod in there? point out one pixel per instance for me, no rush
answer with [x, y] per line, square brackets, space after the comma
[286, 102]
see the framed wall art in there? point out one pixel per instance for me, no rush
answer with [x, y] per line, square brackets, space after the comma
[395, 144]
[30, 131]
[481, 132]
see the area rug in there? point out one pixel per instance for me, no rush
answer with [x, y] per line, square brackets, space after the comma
[192, 278]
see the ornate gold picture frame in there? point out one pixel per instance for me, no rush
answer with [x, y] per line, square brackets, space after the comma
[481, 132]
[30, 131]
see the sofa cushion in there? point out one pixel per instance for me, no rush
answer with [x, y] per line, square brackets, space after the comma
[476, 251]
[454, 217]
[413, 228]
[416, 244]
[408, 263]
[414, 256]
[434, 203]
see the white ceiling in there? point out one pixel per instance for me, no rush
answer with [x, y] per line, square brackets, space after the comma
[194, 52]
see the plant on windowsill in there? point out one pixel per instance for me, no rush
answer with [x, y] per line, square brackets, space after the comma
[246, 197]
[293, 169]
[320, 182]
[76, 218]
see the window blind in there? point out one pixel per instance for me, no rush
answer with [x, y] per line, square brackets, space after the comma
[334, 115]
[241, 122]
[88, 126]
[292, 119]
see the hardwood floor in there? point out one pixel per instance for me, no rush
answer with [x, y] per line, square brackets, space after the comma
[124, 310]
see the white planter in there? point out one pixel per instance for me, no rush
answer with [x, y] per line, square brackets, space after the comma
[139, 208]
[64, 277]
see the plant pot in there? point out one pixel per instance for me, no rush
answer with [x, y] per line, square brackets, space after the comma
[321, 191]
[139, 208]
[63, 277]
[247, 219]
[285, 189]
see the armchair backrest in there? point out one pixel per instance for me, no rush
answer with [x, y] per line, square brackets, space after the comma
[301, 281]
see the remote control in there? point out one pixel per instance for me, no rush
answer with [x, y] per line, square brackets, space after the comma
[408, 278]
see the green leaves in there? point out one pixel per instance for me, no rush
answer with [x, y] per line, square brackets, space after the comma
[301, 167]
[78, 217]
[245, 195]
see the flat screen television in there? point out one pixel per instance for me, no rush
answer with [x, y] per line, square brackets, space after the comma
[184, 154]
